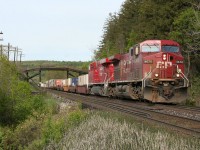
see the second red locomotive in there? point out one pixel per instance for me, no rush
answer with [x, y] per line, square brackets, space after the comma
[153, 70]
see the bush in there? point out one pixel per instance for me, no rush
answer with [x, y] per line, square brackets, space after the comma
[40, 130]
[15, 95]
[55, 127]
[29, 131]
[194, 92]
[16, 101]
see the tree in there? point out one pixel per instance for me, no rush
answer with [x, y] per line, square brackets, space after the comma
[138, 20]
[16, 101]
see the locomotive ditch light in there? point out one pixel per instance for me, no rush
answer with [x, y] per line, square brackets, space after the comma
[177, 75]
[164, 56]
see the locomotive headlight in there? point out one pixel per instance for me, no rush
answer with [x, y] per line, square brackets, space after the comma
[164, 57]
[177, 75]
[156, 74]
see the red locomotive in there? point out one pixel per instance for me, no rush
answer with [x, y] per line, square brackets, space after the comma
[153, 70]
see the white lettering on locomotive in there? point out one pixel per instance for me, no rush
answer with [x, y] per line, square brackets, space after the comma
[162, 64]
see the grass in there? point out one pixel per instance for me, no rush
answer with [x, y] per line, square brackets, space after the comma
[100, 132]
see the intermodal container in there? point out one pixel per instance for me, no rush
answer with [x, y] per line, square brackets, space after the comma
[69, 81]
[83, 80]
[65, 85]
[65, 82]
[58, 84]
[51, 83]
[74, 81]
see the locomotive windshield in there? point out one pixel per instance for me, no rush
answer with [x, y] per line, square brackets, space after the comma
[168, 48]
[150, 48]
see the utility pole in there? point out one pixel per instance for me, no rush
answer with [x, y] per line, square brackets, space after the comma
[1, 39]
[1, 36]
[15, 53]
[8, 51]
[20, 58]
[1, 50]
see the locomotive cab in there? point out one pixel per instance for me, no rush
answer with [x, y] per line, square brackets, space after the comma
[163, 71]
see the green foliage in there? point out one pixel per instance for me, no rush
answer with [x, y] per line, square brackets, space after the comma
[54, 127]
[1, 139]
[183, 24]
[29, 131]
[52, 130]
[39, 130]
[194, 91]
[16, 101]
[75, 117]
[14, 94]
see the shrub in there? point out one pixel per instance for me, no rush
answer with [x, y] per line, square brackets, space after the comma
[194, 91]
[55, 127]
[15, 95]
[16, 101]
[30, 131]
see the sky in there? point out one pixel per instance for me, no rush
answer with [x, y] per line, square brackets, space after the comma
[60, 30]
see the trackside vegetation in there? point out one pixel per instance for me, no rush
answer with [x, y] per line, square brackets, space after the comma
[103, 130]
[16, 101]
[30, 121]
[35, 122]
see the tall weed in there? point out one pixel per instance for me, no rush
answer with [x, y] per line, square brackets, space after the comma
[194, 91]
[108, 133]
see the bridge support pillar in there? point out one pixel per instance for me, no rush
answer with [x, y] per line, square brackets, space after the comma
[67, 74]
[27, 77]
[40, 75]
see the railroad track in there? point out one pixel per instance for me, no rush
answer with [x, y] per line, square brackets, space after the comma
[189, 113]
[179, 123]
[196, 109]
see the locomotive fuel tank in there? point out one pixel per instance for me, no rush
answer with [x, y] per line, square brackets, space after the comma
[96, 90]
[123, 91]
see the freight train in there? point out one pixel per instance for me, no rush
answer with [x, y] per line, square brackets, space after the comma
[151, 70]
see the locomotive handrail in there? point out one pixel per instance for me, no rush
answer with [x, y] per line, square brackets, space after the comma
[144, 79]
[106, 81]
[184, 77]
